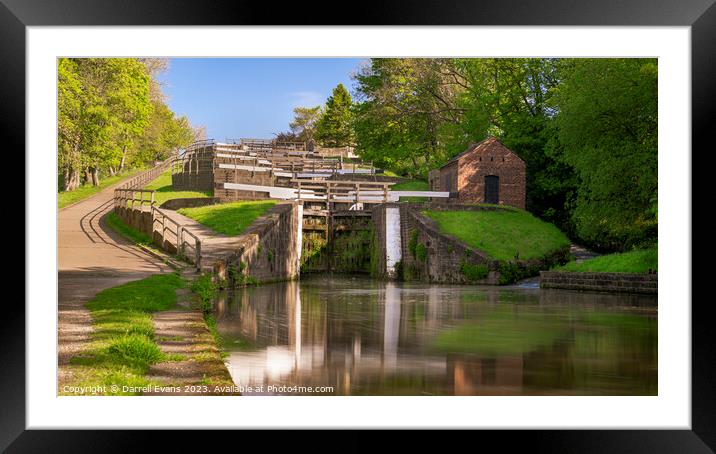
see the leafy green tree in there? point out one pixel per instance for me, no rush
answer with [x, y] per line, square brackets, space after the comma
[509, 98]
[304, 122]
[335, 127]
[69, 116]
[164, 135]
[111, 113]
[607, 127]
[407, 107]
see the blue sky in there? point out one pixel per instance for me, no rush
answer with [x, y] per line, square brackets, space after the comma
[251, 97]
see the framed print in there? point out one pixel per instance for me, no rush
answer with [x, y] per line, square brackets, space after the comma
[446, 220]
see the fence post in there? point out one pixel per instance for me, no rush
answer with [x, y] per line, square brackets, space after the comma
[180, 240]
[197, 248]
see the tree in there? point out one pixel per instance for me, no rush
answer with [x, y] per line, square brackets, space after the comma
[69, 133]
[286, 136]
[509, 98]
[335, 127]
[199, 133]
[607, 127]
[164, 135]
[407, 107]
[304, 122]
[111, 113]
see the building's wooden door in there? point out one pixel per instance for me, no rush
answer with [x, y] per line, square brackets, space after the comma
[492, 189]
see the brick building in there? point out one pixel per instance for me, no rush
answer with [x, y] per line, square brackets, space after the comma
[487, 172]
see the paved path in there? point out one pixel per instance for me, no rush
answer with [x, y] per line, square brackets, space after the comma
[214, 246]
[91, 258]
[581, 253]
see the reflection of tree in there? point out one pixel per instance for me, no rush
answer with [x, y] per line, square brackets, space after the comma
[617, 352]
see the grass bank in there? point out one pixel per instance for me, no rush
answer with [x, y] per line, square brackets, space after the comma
[639, 261]
[228, 218]
[123, 344]
[165, 191]
[412, 185]
[65, 198]
[504, 235]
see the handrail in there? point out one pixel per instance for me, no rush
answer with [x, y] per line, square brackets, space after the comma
[145, 177]
[344, 191]
[178, 233]
[125, 197]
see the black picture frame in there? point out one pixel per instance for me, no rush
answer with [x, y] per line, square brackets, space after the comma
[16, 15]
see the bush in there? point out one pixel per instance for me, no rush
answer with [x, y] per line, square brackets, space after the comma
[474, 272]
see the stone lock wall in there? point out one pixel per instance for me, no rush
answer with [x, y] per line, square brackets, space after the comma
[269, 250]
[434, 257]
[197, 174]
[601, 282]
[222, 176]
[426, 254]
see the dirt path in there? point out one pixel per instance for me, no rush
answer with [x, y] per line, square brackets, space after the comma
[183, 332]
[91, 258]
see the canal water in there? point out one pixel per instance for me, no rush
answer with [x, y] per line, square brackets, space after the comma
[356, 336]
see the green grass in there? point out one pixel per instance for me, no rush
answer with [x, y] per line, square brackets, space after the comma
[639, 261]
[155, 293]
[412, 185]
[165, 191]
[229, 218]
[87, 190]
[116, 224]
[502, 234]
[123, 345]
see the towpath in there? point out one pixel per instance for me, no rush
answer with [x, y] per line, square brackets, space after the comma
[91, 258]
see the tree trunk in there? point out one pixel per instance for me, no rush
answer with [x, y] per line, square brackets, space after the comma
[65, 178]
[72, 180]
[95, 176]
[124, 156]
[88, 175]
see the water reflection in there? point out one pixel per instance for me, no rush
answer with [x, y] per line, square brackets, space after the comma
[365, 337]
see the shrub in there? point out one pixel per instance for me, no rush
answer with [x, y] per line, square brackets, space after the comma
[474, 272]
